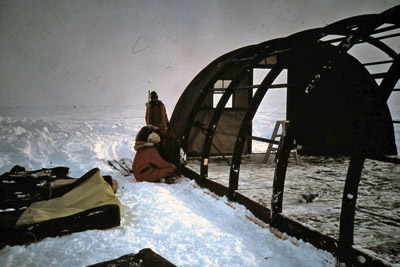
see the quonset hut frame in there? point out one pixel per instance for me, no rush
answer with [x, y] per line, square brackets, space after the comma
[334, 104]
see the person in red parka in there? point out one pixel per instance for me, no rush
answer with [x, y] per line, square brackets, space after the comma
[156, 113]
[148, 165]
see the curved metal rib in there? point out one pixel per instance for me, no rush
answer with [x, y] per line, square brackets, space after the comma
[219, 110]
[251, 111]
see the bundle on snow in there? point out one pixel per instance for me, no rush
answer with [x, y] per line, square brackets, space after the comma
[308, 198]
[144, 258]
[43, 203]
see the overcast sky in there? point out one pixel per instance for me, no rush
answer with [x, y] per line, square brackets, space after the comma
[112, 52]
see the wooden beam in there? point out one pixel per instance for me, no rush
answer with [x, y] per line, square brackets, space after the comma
[261, 139]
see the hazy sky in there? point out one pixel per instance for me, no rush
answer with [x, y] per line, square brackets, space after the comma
[111, 52]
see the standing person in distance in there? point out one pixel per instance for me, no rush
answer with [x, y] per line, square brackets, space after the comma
[156, 113]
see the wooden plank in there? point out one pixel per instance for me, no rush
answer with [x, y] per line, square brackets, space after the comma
[261, 139]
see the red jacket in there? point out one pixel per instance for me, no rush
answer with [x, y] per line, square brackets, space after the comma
[156, 115]
[148, 164]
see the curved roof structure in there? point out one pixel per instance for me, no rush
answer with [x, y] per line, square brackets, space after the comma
[313, 61]
[336, 103]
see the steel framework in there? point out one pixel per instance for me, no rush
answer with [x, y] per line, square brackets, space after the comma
[319, 66]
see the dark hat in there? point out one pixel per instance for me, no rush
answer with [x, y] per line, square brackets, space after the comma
[153, 95]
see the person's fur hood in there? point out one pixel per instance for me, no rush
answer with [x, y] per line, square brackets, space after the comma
[142, 145]
[147, 137]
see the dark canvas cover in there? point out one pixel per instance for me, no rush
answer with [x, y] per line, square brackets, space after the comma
[45, 210]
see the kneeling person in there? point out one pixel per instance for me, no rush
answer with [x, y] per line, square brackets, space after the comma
[148, 165]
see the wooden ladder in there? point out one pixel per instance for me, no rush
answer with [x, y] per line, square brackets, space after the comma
[276, 136]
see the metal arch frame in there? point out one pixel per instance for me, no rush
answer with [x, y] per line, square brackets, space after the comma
[260, 53]
[214, 121]
[389, 81]
[348, 208]
[382, 46]
[206, 89]
[362, 33]
[349, 199]
[318, 33]
[280, 174]
[393, 76]
[345, 25]
[345, 46]
[344, 251]
[207, 73]
[241, 138]
[221, 64]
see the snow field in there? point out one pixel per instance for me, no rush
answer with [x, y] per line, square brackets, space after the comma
[181, 222]
[186, 225]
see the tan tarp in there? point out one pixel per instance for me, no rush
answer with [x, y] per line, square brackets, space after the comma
[61, 182]
[92, 193]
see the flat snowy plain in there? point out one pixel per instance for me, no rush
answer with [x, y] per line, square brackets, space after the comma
[181, 222]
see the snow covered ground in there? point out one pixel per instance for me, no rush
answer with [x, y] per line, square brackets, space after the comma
[377, 218]
[181, 222]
